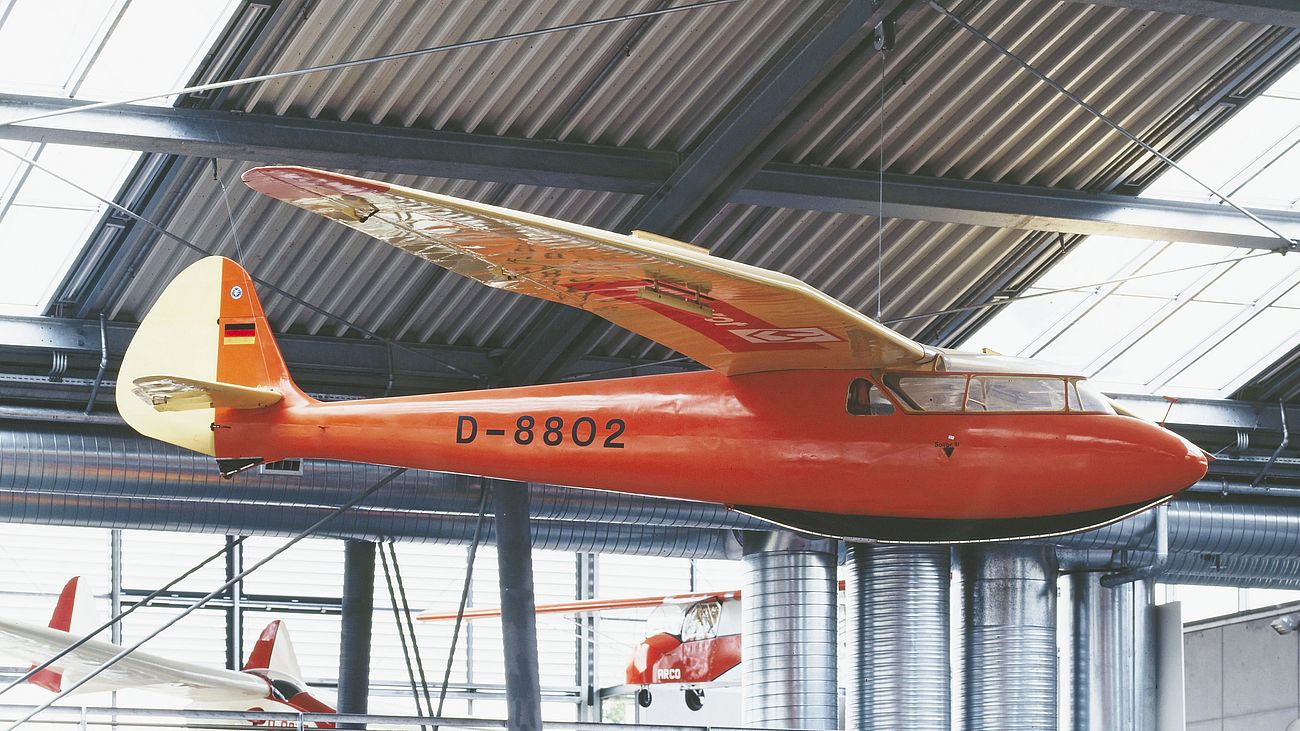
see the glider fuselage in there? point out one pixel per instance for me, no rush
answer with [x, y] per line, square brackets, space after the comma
[779, 440]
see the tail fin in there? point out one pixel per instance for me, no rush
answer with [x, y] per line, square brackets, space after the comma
[73, 613]
[274, 651]
[205, 344]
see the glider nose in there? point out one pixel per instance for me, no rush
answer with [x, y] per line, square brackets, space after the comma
[1186, 462]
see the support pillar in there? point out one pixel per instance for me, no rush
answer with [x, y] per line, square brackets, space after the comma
[1115, 655]
[1009, 638]
[518, 610]
[788, 633]
[358, 609]
[898, 629]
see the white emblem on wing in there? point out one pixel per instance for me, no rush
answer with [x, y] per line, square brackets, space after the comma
[779, 335]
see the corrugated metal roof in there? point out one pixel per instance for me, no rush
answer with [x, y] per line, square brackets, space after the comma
[953, 108]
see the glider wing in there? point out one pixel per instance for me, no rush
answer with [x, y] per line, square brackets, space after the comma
[731, 317]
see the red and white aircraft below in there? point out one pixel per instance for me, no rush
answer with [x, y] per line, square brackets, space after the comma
[691, 641]
[270, 681]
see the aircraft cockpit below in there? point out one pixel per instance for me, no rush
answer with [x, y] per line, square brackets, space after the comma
[686, 622]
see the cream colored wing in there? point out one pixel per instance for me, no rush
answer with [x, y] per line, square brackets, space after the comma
[731, 317]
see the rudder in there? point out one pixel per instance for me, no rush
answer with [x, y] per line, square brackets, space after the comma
[206, 328]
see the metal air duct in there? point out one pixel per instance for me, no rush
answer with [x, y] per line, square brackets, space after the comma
[1009, 638]
[897, 604]
[788, 633]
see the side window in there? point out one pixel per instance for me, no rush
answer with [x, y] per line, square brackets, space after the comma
[1090, 399]
[701, 620]
[867, 400]
[931, 393]
[1013, 393]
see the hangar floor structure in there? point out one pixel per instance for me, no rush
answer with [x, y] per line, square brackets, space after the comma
[936, 185]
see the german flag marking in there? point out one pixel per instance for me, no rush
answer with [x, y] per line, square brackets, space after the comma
[239, 333]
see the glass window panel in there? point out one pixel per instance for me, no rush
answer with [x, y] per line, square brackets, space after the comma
[1250, 279]
[1246, 350]
[930, 393]
[43, 41]
[1018, 324]
[1288, 85]
[1005, 393]
[1096, 259]
[155, 48]
[1169, 340]
[1177, 256]
[1232, 147]
[1091, 399]
[1290, 299]
[35, 245]
[1111, 319]
[11, 167]
[96, 169]
[1275, 186]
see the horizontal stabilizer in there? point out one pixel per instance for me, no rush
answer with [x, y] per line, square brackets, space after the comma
[174, 393]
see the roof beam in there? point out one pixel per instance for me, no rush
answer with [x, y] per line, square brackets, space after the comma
[338, 145]
[351, 146]
[997, 205]
[747, 136]
[1284, 13]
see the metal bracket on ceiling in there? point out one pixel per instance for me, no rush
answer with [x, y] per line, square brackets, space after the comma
[883, 35]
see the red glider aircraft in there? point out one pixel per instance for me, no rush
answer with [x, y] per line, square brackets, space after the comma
[691, 641]
[810, 415]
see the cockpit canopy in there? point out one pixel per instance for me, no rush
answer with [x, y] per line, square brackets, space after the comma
[986, 392]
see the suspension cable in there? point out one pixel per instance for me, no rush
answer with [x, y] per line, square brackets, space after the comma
[401, 634]
[410, 624]
[212, 595]
[1076, 288]
[484, 491]
[1288, 244]
[370, 60]
[262, 283]
[142, 602]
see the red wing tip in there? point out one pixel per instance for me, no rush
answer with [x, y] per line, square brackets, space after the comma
[269, 179]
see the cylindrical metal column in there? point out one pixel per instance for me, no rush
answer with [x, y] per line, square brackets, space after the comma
[1115, 656]
[518, 608]
[1009, 638]
[358, 609]
[897, 604]
[788, 633]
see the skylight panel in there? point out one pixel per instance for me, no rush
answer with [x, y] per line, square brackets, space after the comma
[1201, 332]
[149, 31]
[82, 49]
[43, 42]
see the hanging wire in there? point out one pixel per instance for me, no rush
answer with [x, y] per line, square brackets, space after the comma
[371, 60]
[230, 213]
[211, 595]
[484, 491]
[880, 215]
[261, 283]
[1077, 288]
[1287, 243]
[401, 635]
[410, 624]
[142, 602]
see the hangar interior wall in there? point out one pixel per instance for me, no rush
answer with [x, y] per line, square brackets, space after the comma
[1241, 675]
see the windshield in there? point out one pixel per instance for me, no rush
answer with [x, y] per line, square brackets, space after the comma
[1015, 393]
[665, 619]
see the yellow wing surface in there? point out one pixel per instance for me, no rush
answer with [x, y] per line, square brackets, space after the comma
[731, 317]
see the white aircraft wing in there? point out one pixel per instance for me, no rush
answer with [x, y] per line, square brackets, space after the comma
[27, 642]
